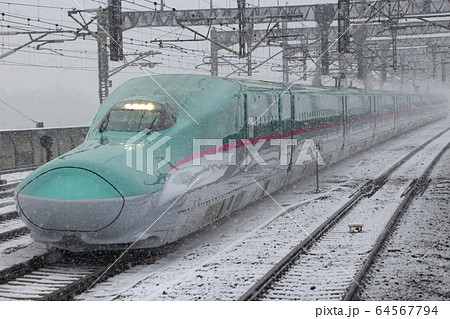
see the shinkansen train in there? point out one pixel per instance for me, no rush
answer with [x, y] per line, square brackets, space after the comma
[168, 154]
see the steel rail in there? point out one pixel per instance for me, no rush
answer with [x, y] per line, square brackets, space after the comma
[7, 187]
[6, 194]
[20, 269]
[416, 187]
[19, 169]
[367, 190]
[9, 215]
[61, 261]
[14, 233]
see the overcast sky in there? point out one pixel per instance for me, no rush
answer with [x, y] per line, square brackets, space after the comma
[59, 83]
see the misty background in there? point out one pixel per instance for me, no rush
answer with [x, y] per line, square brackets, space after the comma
[58, 84]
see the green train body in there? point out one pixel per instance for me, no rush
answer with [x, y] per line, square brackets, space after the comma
[169, 154]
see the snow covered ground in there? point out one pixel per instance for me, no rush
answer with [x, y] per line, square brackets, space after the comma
[327, 270]
[21, 248]
[414, 264]
[223, 260]
[13, 177]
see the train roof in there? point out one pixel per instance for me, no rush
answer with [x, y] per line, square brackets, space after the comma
[309, 89]
[198, 93]
[186, 82]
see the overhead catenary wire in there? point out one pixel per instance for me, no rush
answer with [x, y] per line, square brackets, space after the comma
[146, 42]
[33, 5]
[133, 40]
[18, 111]
[36, 20]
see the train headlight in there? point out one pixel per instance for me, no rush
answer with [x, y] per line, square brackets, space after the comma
[139, 106]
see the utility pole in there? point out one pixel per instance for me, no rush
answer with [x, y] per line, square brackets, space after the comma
[214, 53]
[103, 65]
[434, 60]
[285, 53]
[324, 15]
[384, 49]
[115, 30]
[343, 25]
[360, 41]
[304, 46]
[241, 15]
[343, 32]
[374, 26]
[394, 48]
[248, 41]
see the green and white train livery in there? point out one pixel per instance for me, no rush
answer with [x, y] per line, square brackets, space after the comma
[169, 154]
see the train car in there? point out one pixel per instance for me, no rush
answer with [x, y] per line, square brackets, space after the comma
[168, 154]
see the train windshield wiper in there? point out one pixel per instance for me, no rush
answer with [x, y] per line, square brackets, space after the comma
[150, 128]
[104, 123]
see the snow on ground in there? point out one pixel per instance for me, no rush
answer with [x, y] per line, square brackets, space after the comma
[7, 207]
[11, 178]
[329, 267]
[18, 250]
[223, 260]
[22, 248]
[14, 177]
[7, 202]
[414, 262]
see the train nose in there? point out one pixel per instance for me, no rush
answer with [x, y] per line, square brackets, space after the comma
[70, 199]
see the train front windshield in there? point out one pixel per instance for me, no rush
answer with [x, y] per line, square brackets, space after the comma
[136, 116]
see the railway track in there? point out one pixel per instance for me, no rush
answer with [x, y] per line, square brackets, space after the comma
[59, 275]
[10, 224]
[53, 275]
[19, 169]
[7, 190]
[12, 228]
[417, 187]
[311, 271]
[61, 285]
[416, 253]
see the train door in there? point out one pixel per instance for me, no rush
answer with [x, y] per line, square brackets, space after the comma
[242, 120]
[286, 115]
[244, 132]
[263, 114]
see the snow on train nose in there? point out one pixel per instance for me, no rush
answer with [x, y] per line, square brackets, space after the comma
[70, 199]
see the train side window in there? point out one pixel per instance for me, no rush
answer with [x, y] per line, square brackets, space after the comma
[263, 112]
[303, 103]
[272, 105]
[313, 101]
[251, 126]
[355, 107]
[285, 106]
